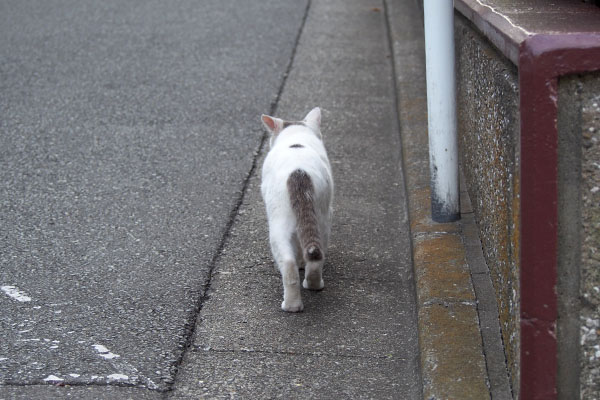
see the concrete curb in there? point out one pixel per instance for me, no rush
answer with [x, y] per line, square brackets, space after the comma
[453, 355]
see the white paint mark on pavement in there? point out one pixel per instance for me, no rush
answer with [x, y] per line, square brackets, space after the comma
[117, 377]
[53, 378]
[104, 352]
[14, 293]
[122, 365]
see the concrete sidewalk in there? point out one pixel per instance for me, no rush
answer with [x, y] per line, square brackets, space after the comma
[358, 337]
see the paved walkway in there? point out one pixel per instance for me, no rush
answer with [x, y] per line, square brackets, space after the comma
[358, 337]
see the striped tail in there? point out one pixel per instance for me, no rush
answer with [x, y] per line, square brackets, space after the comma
[301, 193]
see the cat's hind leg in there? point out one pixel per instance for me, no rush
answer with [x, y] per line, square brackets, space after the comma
[290, 276]
[292, 301]
[313, 275]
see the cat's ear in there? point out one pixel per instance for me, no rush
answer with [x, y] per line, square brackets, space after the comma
[313, 118]
[273, 125]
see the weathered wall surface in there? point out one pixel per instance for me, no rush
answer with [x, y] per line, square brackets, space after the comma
[569, 235]
[489, 136]
[578, 286]
[590, 250]
[488, 126]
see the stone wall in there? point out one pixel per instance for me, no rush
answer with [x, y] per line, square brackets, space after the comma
[488, 127]
[489, 136]
[590, 249]
[578, 285]
[569, 235]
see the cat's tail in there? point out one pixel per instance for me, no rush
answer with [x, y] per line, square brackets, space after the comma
[301, 191]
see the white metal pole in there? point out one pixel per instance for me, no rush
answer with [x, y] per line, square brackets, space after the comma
[441, 109]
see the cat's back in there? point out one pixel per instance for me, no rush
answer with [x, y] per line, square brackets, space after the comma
[292, 151]
[296, 148]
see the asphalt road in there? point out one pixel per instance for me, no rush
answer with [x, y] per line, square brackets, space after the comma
[127, 131]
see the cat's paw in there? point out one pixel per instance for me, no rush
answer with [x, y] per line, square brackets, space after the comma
[292, 306]
[313, 284]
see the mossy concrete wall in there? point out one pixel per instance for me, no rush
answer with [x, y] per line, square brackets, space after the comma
[489, 137]
[590, 273]
[569, 235]
[579, 236]
[488, 127]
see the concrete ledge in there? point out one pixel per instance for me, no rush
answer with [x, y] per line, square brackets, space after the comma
[453, 356]
[441, 260]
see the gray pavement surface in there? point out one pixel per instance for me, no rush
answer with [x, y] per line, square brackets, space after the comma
[358, 337]
[127, 130]
[128, 133]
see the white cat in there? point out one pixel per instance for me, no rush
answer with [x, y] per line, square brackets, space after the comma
[297, 187]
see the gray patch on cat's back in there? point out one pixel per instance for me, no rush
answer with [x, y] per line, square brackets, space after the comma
[287, 124]
[296, 146]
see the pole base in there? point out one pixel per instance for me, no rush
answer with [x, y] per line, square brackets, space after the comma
[442, 212]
